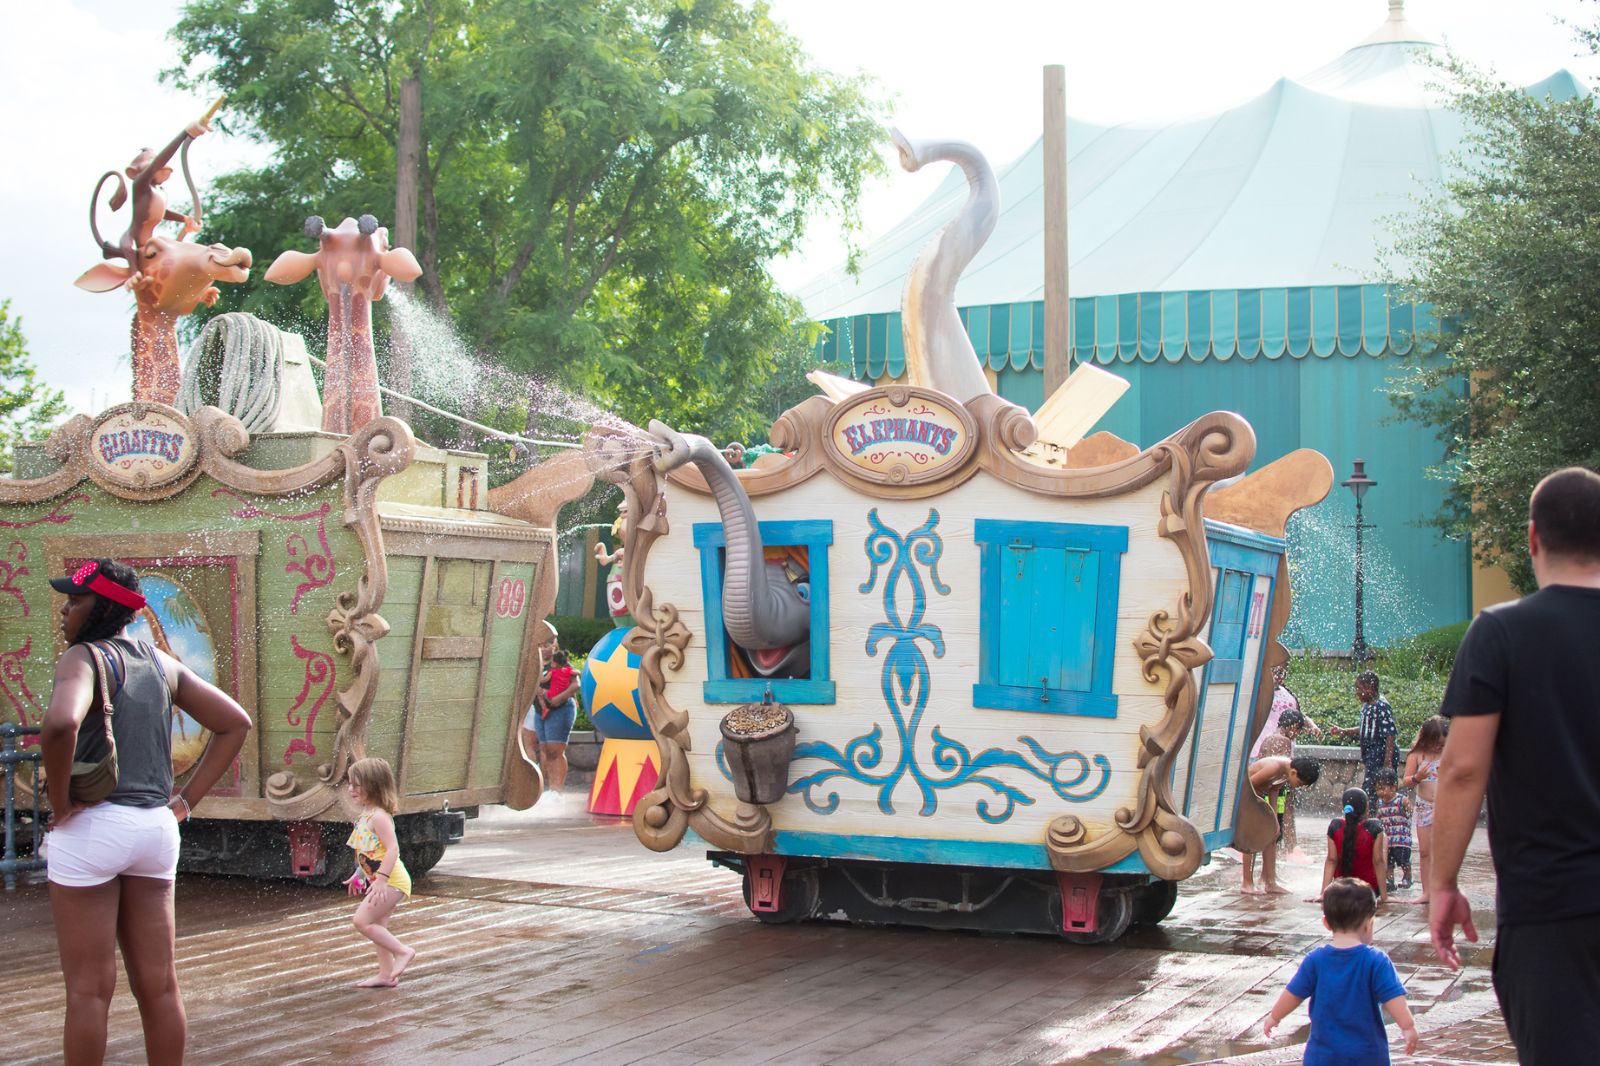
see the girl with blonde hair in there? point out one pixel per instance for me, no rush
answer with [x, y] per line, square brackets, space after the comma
[380, 877]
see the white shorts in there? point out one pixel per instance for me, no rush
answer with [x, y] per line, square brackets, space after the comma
[109, 840]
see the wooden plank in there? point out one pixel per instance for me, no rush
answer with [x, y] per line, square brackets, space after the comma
[424, 595]
[452, 647]
[484, 642]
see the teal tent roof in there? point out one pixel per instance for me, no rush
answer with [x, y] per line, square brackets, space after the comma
[1290, 192]
[1220, 324]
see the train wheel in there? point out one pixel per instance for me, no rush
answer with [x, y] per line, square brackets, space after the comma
[1113, 916]
[421, 856]
[1154, 902]
[800, 896]
[338, 867]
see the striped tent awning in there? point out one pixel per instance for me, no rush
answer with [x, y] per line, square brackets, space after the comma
[1222, 324]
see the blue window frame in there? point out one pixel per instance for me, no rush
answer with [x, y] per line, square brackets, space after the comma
[1228, 624]
[1048, 617]
[1239, 556]
[721, 687]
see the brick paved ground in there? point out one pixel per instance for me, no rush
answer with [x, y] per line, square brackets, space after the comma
[554, 940]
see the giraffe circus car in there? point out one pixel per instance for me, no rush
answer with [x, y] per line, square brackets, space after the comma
[359, 595]
[1022, 695]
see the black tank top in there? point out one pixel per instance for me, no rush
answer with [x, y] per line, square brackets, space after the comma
[141, 722]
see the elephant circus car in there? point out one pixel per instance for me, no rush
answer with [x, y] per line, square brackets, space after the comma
[1024, 695]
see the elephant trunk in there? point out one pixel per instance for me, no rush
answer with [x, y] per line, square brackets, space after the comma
[938, 352]
[759, 608]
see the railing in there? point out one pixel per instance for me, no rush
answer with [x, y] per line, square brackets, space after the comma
[10, 759]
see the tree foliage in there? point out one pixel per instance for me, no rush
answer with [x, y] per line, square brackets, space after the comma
[1509, 257]
[28, 408]
[602, 182]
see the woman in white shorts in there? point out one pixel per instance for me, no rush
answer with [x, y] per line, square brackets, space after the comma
[112, 863]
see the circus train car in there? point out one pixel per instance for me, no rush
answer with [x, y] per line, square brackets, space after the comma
[1022, 695]
[356, 594]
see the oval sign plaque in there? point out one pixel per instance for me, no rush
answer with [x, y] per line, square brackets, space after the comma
[901, 435]
[139, 446]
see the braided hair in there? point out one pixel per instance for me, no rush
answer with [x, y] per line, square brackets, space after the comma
[1355, 809]
[107, 617]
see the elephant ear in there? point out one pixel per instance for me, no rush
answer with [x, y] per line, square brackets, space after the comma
[103, 277]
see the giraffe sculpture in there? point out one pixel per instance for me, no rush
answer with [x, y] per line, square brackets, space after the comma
[354, 263]
[169, 276]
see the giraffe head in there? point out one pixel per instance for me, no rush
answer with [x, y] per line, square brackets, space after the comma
[172, 276]
[353, 258]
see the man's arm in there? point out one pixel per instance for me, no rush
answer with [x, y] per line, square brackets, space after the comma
[1463, 778]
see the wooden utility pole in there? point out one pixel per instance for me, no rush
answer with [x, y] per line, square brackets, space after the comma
[1057, 357]
[408, 161]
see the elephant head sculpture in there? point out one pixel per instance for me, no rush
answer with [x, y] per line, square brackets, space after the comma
[766, 606]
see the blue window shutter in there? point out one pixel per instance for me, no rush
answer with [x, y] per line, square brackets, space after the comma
[1015, 615]
[1077, 606]
[1048, 594]
[1227, 629]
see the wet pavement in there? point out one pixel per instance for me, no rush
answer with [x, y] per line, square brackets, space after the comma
[559, 939]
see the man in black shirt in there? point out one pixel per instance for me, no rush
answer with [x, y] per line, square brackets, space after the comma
[1524, 703]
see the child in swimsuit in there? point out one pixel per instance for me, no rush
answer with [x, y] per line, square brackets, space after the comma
[1422, 773]
[380, 876]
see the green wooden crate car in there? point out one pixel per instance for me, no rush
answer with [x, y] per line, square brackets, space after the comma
[357, 595]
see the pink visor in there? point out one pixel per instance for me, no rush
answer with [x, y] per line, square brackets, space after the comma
[87, 578]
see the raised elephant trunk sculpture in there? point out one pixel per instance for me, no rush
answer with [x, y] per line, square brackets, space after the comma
[938, 351]
[763, 610]
[354, 264]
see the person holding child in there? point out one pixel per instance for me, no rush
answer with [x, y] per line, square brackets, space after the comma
[381, 879]
[1347, 980]
[550, 720]
[1357, 848]
[1422, 774]
[1271, 777]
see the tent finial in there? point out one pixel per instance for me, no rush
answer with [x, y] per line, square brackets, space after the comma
[1397, 10]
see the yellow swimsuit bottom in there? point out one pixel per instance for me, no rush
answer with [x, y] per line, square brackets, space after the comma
[370, 854]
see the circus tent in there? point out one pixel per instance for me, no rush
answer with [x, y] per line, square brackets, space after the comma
[1232, 261]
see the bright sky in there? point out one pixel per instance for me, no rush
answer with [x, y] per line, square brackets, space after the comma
[79, 94]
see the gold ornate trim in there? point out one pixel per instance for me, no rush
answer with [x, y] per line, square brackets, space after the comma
[1170, 649]
[659, 638]
[381, 448]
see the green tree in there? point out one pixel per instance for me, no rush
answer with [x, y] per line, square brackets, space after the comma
[28, 408]
[1509, 256]
[602, 182]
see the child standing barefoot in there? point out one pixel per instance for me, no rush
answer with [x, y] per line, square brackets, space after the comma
[380, 876]
[1394, 814]
[1346, 982]
[1422, 773]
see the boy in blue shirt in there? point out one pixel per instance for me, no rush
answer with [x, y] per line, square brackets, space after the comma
[1346, 981]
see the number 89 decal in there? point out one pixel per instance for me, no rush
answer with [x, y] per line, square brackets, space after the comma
[512, 594]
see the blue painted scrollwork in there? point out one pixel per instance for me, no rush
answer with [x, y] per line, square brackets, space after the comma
[905, 562]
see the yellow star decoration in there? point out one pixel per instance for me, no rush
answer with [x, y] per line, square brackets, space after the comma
[614, 682]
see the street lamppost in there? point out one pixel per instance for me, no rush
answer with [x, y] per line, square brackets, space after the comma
[1358, 482]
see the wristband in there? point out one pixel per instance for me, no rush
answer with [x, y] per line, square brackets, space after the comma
[188, 811]
[381, 874]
